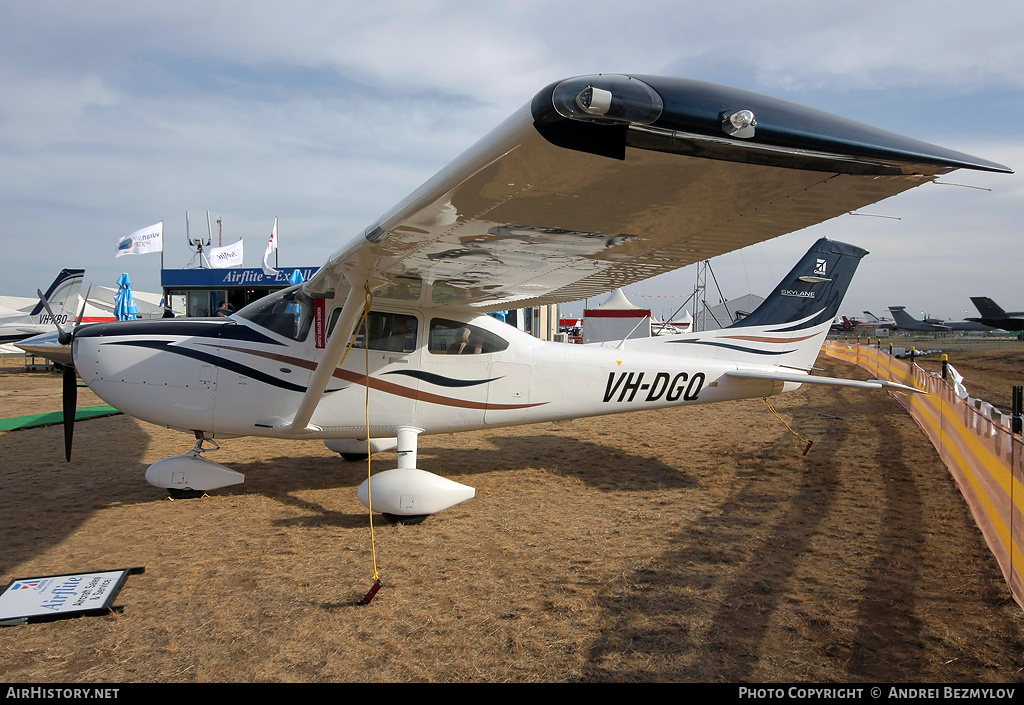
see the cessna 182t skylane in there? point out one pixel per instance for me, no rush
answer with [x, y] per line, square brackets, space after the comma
[598, 182]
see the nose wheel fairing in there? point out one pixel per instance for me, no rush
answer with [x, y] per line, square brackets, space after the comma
[192, 471]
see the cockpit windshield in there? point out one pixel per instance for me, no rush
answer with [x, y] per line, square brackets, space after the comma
[288, 312]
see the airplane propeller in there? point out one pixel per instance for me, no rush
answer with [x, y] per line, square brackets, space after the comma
[69, 378]
[69, 398]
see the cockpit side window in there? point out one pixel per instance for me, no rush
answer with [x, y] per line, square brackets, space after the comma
[449, 337]
[288, 312]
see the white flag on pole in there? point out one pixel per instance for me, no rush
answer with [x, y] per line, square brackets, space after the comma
[271, 246]
[228, 256]
[141, 241]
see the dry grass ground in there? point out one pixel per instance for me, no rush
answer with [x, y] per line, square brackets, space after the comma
[685, 545]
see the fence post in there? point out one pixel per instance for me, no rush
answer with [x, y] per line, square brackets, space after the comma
[1016, 413]
[945, 366]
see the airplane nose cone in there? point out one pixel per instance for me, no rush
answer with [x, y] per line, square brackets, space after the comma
[162, 372]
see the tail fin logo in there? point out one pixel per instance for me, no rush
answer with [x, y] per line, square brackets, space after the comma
[819, 269]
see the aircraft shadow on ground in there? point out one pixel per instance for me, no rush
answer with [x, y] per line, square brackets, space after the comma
[607, 467]
[46, 500]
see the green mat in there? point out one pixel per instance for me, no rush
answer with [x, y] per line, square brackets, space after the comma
[55, 417]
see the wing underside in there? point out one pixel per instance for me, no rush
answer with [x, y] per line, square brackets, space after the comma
[550, 209]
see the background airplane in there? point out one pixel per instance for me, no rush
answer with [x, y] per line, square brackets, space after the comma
[904, 321]
[31, 329]
[23, 317]
[871, 325]
[874, 320]
[993, 315]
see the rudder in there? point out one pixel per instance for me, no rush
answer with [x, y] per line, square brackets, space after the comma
[813, 290]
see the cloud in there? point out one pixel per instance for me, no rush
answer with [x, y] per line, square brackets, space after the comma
[327, 114]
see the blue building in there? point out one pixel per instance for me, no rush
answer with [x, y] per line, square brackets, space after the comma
[200, 292]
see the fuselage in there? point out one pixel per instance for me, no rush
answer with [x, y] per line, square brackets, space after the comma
[437, 369]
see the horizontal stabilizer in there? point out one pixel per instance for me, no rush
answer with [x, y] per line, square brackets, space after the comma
[808, 379]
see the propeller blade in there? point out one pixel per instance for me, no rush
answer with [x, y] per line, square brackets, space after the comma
[70, 406]
[63, 336]
[85, 302]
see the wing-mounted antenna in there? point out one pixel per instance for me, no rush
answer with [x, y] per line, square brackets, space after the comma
[622, 343]
[197, 244]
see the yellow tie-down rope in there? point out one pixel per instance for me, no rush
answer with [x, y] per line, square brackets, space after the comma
[369, 455]
[771, 408]
[364, 324]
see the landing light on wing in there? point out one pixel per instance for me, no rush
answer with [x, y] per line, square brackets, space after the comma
[594, 100]
[607, 99]
[739, 124]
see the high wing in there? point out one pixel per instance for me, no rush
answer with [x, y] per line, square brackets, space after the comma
[605, 180]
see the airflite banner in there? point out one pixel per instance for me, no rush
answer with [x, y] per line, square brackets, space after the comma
[974, 442]
[142, 241]
[227, 256]
[227, 278]
[51, 597]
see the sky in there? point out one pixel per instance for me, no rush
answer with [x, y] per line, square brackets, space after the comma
[325, 114]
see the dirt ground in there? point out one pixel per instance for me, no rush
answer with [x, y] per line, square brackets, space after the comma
[686, 545]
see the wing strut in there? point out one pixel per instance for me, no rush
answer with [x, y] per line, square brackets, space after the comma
[350, 313]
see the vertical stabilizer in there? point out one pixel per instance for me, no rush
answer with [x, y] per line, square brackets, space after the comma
[988, 308]
[789, 327]
[812, 291]
[62, 295]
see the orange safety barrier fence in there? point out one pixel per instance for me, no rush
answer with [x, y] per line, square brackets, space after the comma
[980, 451]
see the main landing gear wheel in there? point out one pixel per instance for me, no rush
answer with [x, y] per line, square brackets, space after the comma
[409, 519]
[175, 493]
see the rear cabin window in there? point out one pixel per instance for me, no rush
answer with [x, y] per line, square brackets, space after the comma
[456, 338]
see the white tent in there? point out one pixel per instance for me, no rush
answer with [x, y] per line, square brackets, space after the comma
[616, 319]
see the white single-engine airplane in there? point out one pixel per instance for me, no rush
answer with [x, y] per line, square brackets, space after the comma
[599, 182]
[22, 317]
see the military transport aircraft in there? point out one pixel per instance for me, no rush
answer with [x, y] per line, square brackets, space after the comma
[992, 314]
[906, 322]
[598, 182]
